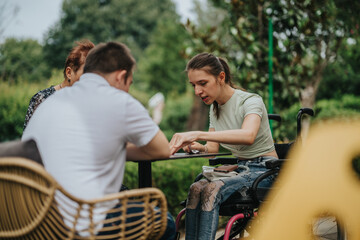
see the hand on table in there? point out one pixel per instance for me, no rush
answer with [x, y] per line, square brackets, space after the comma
[182, 140]
[194, 147]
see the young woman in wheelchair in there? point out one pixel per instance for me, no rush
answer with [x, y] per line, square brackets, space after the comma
[239, 123]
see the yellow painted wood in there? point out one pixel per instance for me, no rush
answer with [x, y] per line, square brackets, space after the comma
[317, 179]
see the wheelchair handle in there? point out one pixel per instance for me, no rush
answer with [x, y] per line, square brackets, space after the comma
[301, 112]
[275, 117]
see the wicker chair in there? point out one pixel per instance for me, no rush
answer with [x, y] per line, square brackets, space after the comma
[34, 206]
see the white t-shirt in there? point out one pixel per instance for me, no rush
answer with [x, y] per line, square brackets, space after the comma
[82, 131]
[232, 115]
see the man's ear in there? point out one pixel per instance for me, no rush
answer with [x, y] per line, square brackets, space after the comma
[121, 77]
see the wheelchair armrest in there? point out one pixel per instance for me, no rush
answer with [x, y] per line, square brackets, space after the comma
[222, 160]
[271, 164]
[274, 168]
[198, 177]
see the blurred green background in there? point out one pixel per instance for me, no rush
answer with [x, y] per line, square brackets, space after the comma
[316, 59]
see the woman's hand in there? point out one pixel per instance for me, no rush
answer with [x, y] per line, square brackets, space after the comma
[181, 140]
[194, 146]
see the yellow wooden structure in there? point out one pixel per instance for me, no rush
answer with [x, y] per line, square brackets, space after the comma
[318, 178]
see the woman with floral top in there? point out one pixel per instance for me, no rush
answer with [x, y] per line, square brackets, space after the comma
[73, 69]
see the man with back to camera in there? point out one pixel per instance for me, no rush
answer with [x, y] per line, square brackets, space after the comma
[86, 133]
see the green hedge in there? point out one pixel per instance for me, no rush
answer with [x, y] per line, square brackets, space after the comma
[176, 112]
[14, 102]
[347, 107]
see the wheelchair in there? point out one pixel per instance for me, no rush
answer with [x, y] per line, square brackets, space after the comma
[243, 206]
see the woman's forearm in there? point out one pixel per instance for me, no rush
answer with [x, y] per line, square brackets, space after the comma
[243, 136]
[236, 137]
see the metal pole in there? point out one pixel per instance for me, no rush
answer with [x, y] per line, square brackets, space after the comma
[270, 70]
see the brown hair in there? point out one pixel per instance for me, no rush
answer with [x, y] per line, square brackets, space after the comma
[109, 57]
[212, 65]
[77, 55]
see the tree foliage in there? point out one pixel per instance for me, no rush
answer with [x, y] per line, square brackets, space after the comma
[162, 66]
[22, 60]
[104, 20]
[307, 35]
[342, 76]
[345, 108]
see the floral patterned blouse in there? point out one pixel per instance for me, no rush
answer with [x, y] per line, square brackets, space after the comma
[35, 101]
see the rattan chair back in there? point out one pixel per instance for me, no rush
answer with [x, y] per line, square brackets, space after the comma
[34, 206]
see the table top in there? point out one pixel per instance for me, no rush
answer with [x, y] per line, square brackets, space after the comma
[187, 155]
[197, 155]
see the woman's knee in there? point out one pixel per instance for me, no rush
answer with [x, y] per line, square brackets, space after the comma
[194, 194]
[210, 195]
[197, 187]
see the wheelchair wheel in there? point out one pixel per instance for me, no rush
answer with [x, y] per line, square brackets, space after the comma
[239, 229]
[328, 228]
[237, 232]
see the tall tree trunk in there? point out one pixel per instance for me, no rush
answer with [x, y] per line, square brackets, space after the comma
[308, 95]
[198, 117]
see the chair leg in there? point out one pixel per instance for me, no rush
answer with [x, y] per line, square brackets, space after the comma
[177, 222]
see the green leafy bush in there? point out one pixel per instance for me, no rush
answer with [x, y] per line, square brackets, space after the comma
[176, 112]
[347, 107]
[22, 61]
[286, 130]
[14, 100]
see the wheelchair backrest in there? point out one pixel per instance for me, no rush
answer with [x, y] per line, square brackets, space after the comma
[282, 149]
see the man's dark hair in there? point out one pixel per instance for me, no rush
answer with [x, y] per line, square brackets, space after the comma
[109, 57]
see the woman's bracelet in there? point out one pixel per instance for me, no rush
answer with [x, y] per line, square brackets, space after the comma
[206, 149]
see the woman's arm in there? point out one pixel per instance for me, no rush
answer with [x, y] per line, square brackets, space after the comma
[209, 147]
[245, 135]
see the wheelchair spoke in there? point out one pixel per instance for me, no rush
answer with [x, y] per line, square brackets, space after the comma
[325, 228]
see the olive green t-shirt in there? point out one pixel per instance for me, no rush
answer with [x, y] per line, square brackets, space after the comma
[232, 115]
